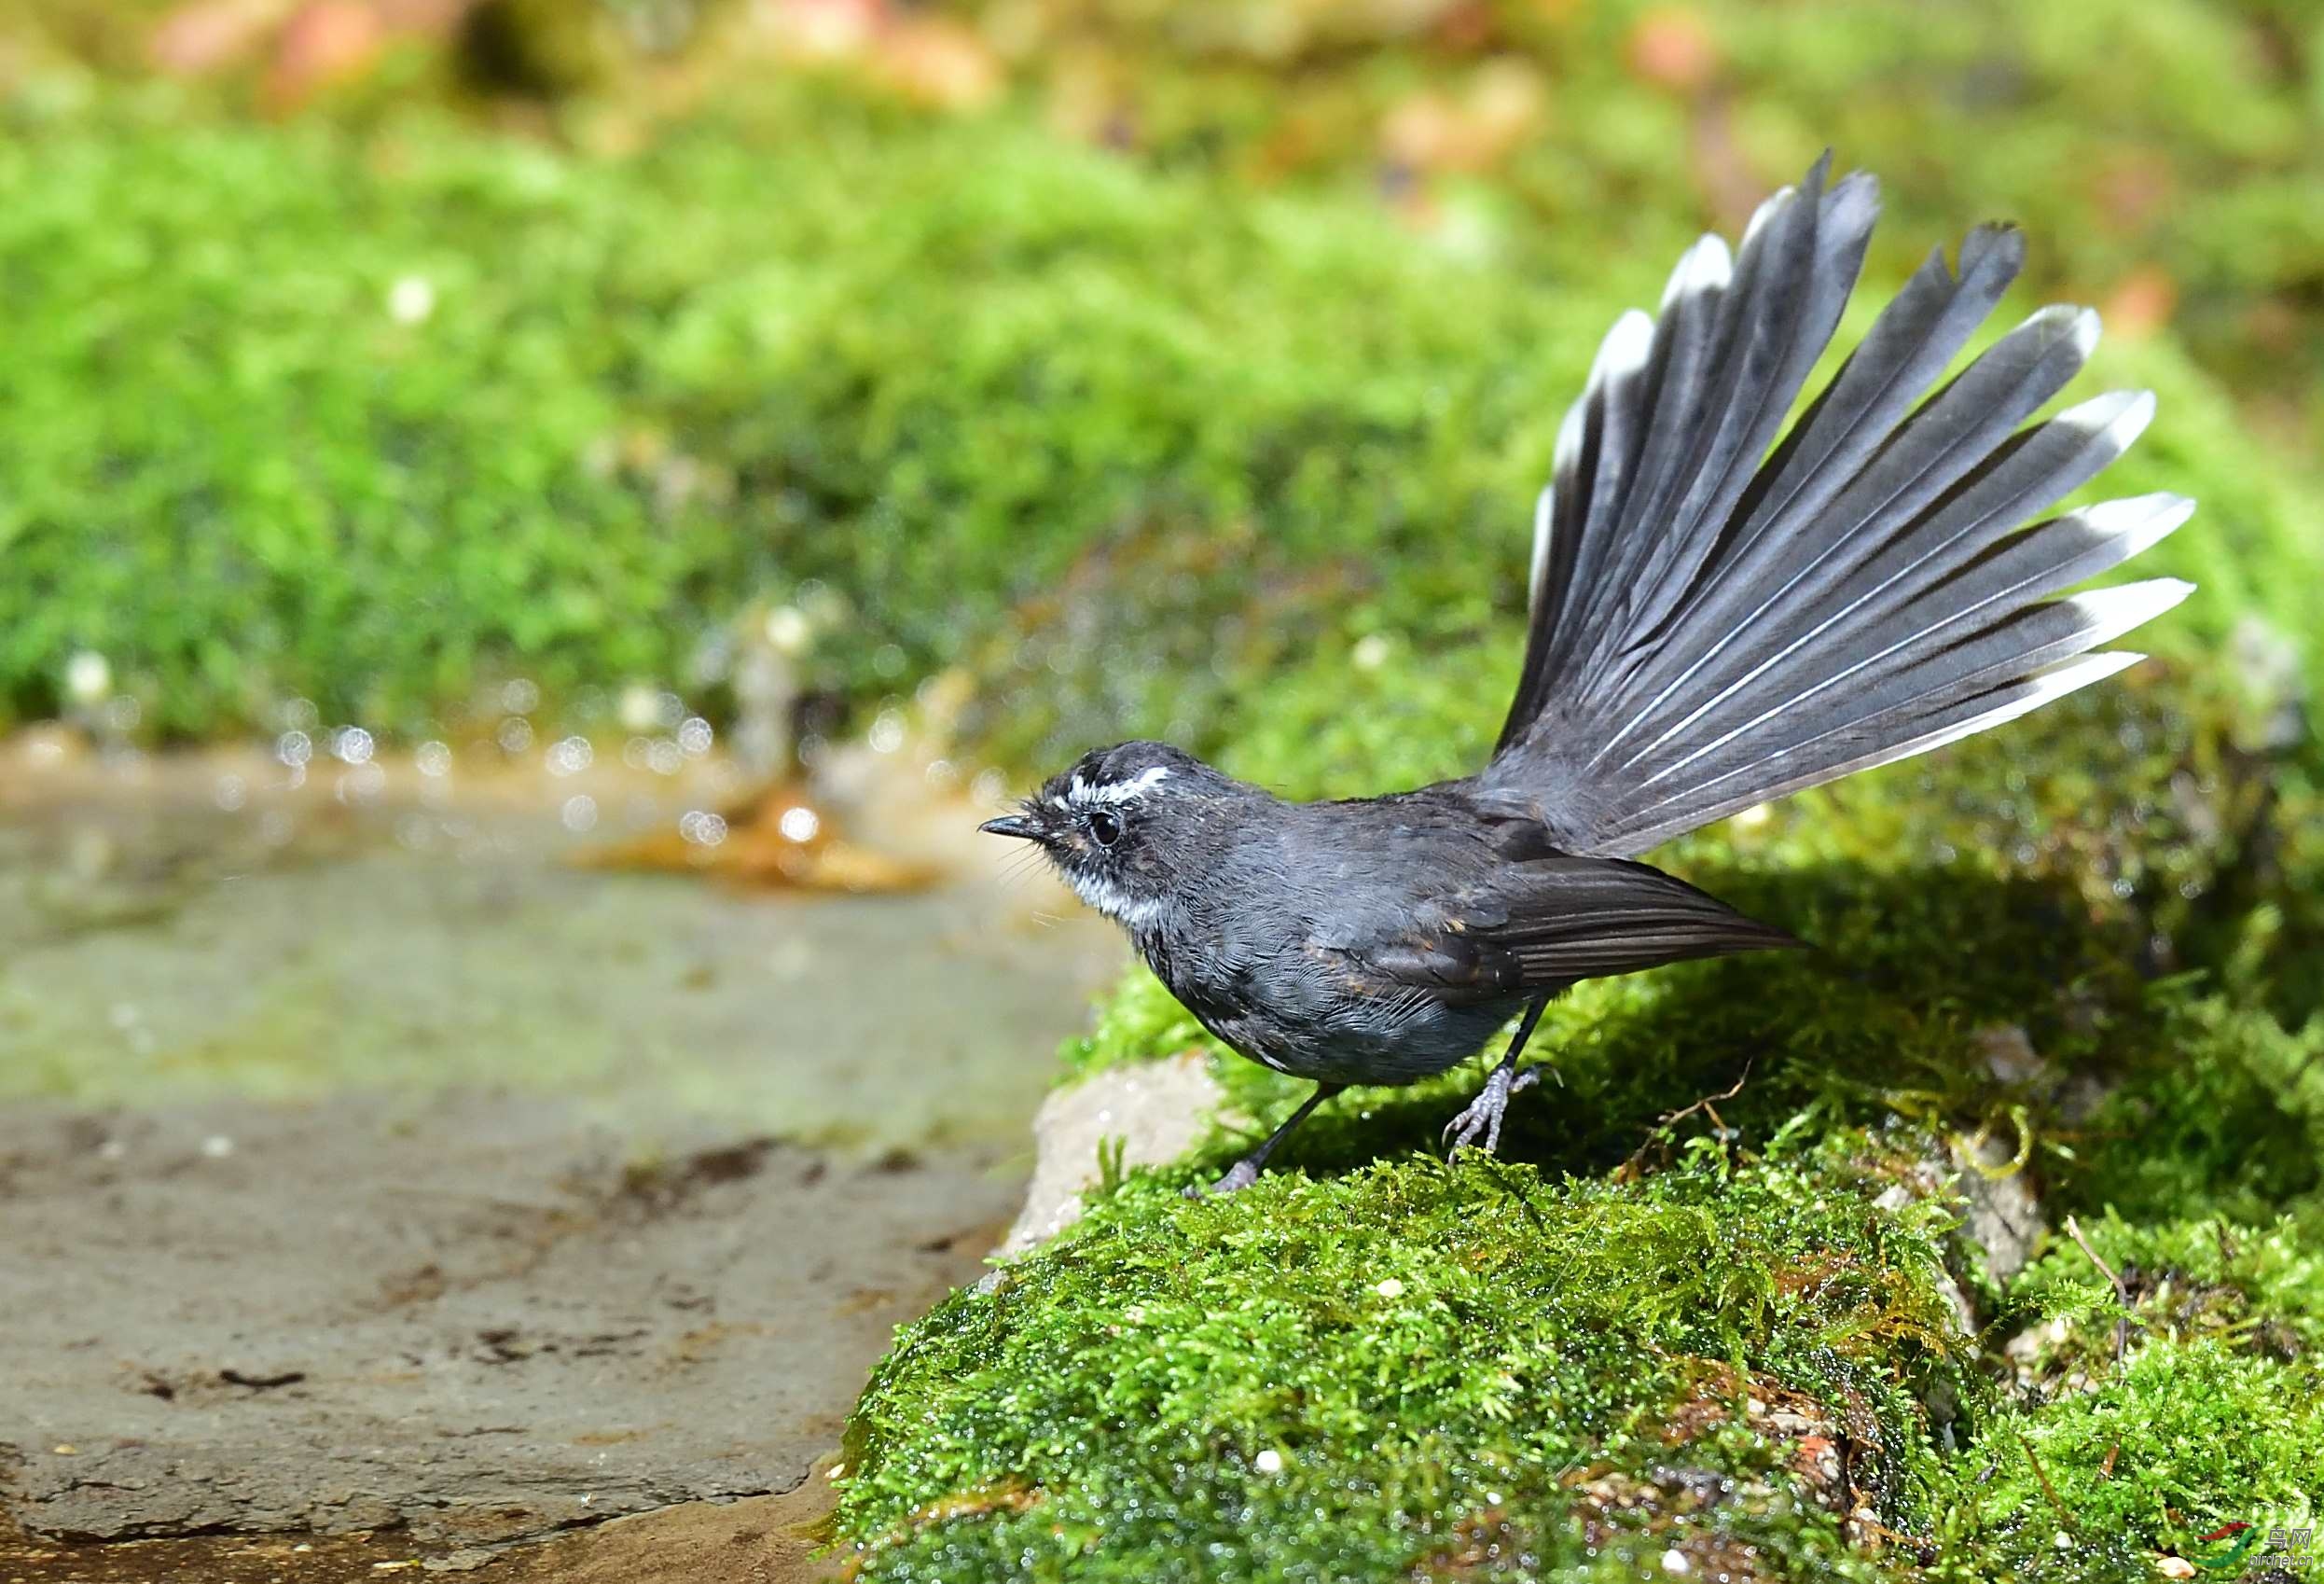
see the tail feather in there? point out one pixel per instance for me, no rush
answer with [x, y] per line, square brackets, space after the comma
[1760, 322]
[2032, 472]
[1797, 494]
[1827, 619]
[1710, 628]
[1791, 568]
[1914, 340]
[1844, 750]
[1800, 261]
[1984, 597]
[2032, 637]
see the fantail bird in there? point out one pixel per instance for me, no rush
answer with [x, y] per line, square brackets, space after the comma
[1711, 624]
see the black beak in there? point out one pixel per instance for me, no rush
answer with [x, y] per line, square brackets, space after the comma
[1019, 826]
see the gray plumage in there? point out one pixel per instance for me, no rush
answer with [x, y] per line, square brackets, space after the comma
[1712, 624]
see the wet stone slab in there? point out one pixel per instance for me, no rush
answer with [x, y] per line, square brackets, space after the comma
[368, 1164]
[472, 1318]
[155, 948]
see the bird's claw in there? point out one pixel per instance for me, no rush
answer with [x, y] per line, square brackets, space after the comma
[1483, 1114]
[1241, 1175]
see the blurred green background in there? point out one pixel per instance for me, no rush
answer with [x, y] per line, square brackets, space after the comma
[1135, 361]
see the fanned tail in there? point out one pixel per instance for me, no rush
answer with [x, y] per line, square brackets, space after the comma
[1714, 624]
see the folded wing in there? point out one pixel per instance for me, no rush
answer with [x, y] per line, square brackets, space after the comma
[1539, 926]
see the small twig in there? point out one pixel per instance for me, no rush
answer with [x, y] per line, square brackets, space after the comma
[1629, 1168]
[1706, 1103]
[2122, 1289]
[2047, 1489]
[1895, 1536]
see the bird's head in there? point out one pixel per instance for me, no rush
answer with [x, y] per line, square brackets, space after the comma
[1124, 825]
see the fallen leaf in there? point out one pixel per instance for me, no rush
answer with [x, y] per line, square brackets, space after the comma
[2141, 302]
[1475, 131]
[325, 43]
[939, 63]
[1673, 48]
[826, 29]
[777, 840]
[211, 35]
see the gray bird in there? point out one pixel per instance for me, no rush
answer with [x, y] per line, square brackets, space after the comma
[1712, 623]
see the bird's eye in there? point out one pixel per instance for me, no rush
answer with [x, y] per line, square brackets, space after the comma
[1105, 826]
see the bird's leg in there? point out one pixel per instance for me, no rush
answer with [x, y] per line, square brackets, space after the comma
[1483, 1114]
[1246, 1170]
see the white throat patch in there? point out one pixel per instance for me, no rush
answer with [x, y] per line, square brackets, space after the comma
[1112, 901]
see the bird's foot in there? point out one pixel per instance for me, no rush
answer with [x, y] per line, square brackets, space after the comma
[1241, 1175]
[1482, 1119]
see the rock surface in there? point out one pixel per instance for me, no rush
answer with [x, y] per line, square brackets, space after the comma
[756, 1540]
[2001, 1219]
[474, 1319]
[1158, 1110]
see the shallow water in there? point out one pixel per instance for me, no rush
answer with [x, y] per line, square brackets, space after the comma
[408, 933]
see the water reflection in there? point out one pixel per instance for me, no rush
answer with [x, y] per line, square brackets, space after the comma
[326, 912]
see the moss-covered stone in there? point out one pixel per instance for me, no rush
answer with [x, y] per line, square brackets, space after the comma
[1755, 1361]
[2181, 1439]
[2080, 952]
[1468, 1372]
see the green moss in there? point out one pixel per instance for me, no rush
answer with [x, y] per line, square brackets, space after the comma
[939, 372]
[2186, 1436]
[1144, 452]
[2258, 1290]
[1553, 1381]
[1354, 1376]
[2220, 1112]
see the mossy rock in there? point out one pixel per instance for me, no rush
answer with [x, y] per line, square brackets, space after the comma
[1719, 1361]
[2178, 1440]
[1410, 1369]
[2065, 941]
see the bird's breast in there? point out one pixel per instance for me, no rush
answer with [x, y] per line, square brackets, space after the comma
[1299, 1009]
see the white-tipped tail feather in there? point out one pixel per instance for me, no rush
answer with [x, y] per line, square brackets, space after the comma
[1719, 617]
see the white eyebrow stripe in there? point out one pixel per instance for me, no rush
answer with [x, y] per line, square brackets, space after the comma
[1081, 794]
